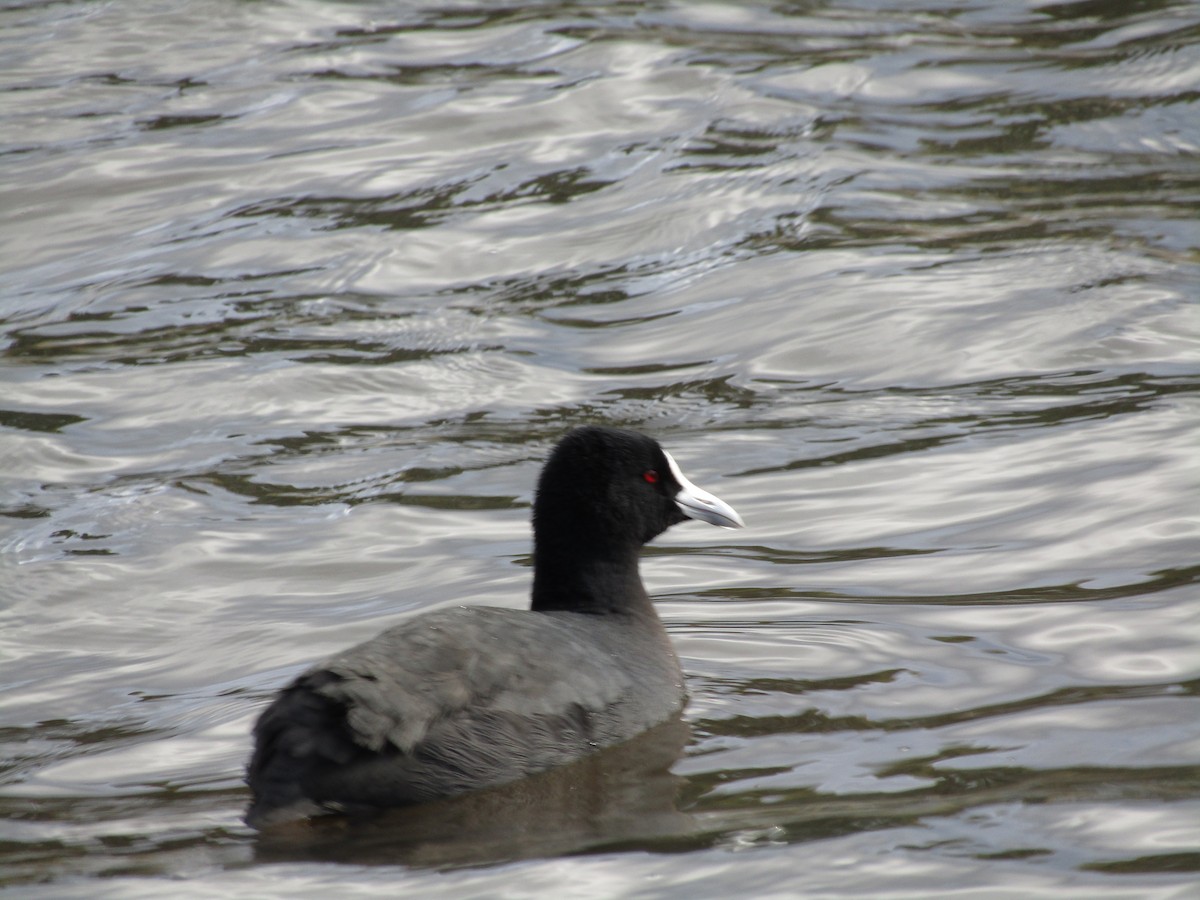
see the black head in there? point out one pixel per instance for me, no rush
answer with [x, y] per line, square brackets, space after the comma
[620, 487]
[603, 493]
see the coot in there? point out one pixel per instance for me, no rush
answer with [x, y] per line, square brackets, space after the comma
[471, 697]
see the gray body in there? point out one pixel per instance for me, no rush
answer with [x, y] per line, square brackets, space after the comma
[483, 704]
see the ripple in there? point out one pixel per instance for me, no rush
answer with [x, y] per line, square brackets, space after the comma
[298, 298]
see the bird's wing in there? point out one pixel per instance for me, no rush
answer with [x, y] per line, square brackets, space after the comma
[391, 691]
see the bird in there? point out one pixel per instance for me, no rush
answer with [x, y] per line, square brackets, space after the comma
[472, 697]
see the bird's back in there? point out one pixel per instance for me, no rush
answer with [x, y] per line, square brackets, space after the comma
[458, 700]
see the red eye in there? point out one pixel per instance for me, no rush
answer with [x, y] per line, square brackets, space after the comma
[650, 476]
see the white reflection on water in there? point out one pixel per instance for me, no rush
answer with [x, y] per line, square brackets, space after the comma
[297, 296]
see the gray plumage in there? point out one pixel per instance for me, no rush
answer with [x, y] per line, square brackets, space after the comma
[472, 697]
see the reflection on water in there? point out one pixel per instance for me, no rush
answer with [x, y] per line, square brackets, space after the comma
[297, 296]
[624, 795]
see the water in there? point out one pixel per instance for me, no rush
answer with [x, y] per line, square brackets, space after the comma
[296, 296]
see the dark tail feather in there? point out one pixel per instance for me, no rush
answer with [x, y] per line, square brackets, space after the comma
[297, 737]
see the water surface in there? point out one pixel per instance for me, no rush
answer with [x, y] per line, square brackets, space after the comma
[297, 295]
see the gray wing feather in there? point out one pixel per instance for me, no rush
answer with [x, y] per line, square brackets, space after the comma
[398, 686]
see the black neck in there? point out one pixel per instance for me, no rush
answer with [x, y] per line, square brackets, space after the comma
[587, 582]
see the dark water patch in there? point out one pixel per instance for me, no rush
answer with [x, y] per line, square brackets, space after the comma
[876, 451]
[1077, 592]
[806, 815]
[26, 511]
[50, 423]
[1141, 865]
[799, 686]
[141, 337]
[197, 120]
[419, 208]
[645, 369]
[98, 837]
[32, 747]
[466, 74]
[813, 721]
[431, 205]
[716, 391]
[786, 557]
[980, 409]
[259, 491]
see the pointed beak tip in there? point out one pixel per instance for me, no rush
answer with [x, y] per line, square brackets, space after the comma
[731, 520]
[707, 508]
[699, 504]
